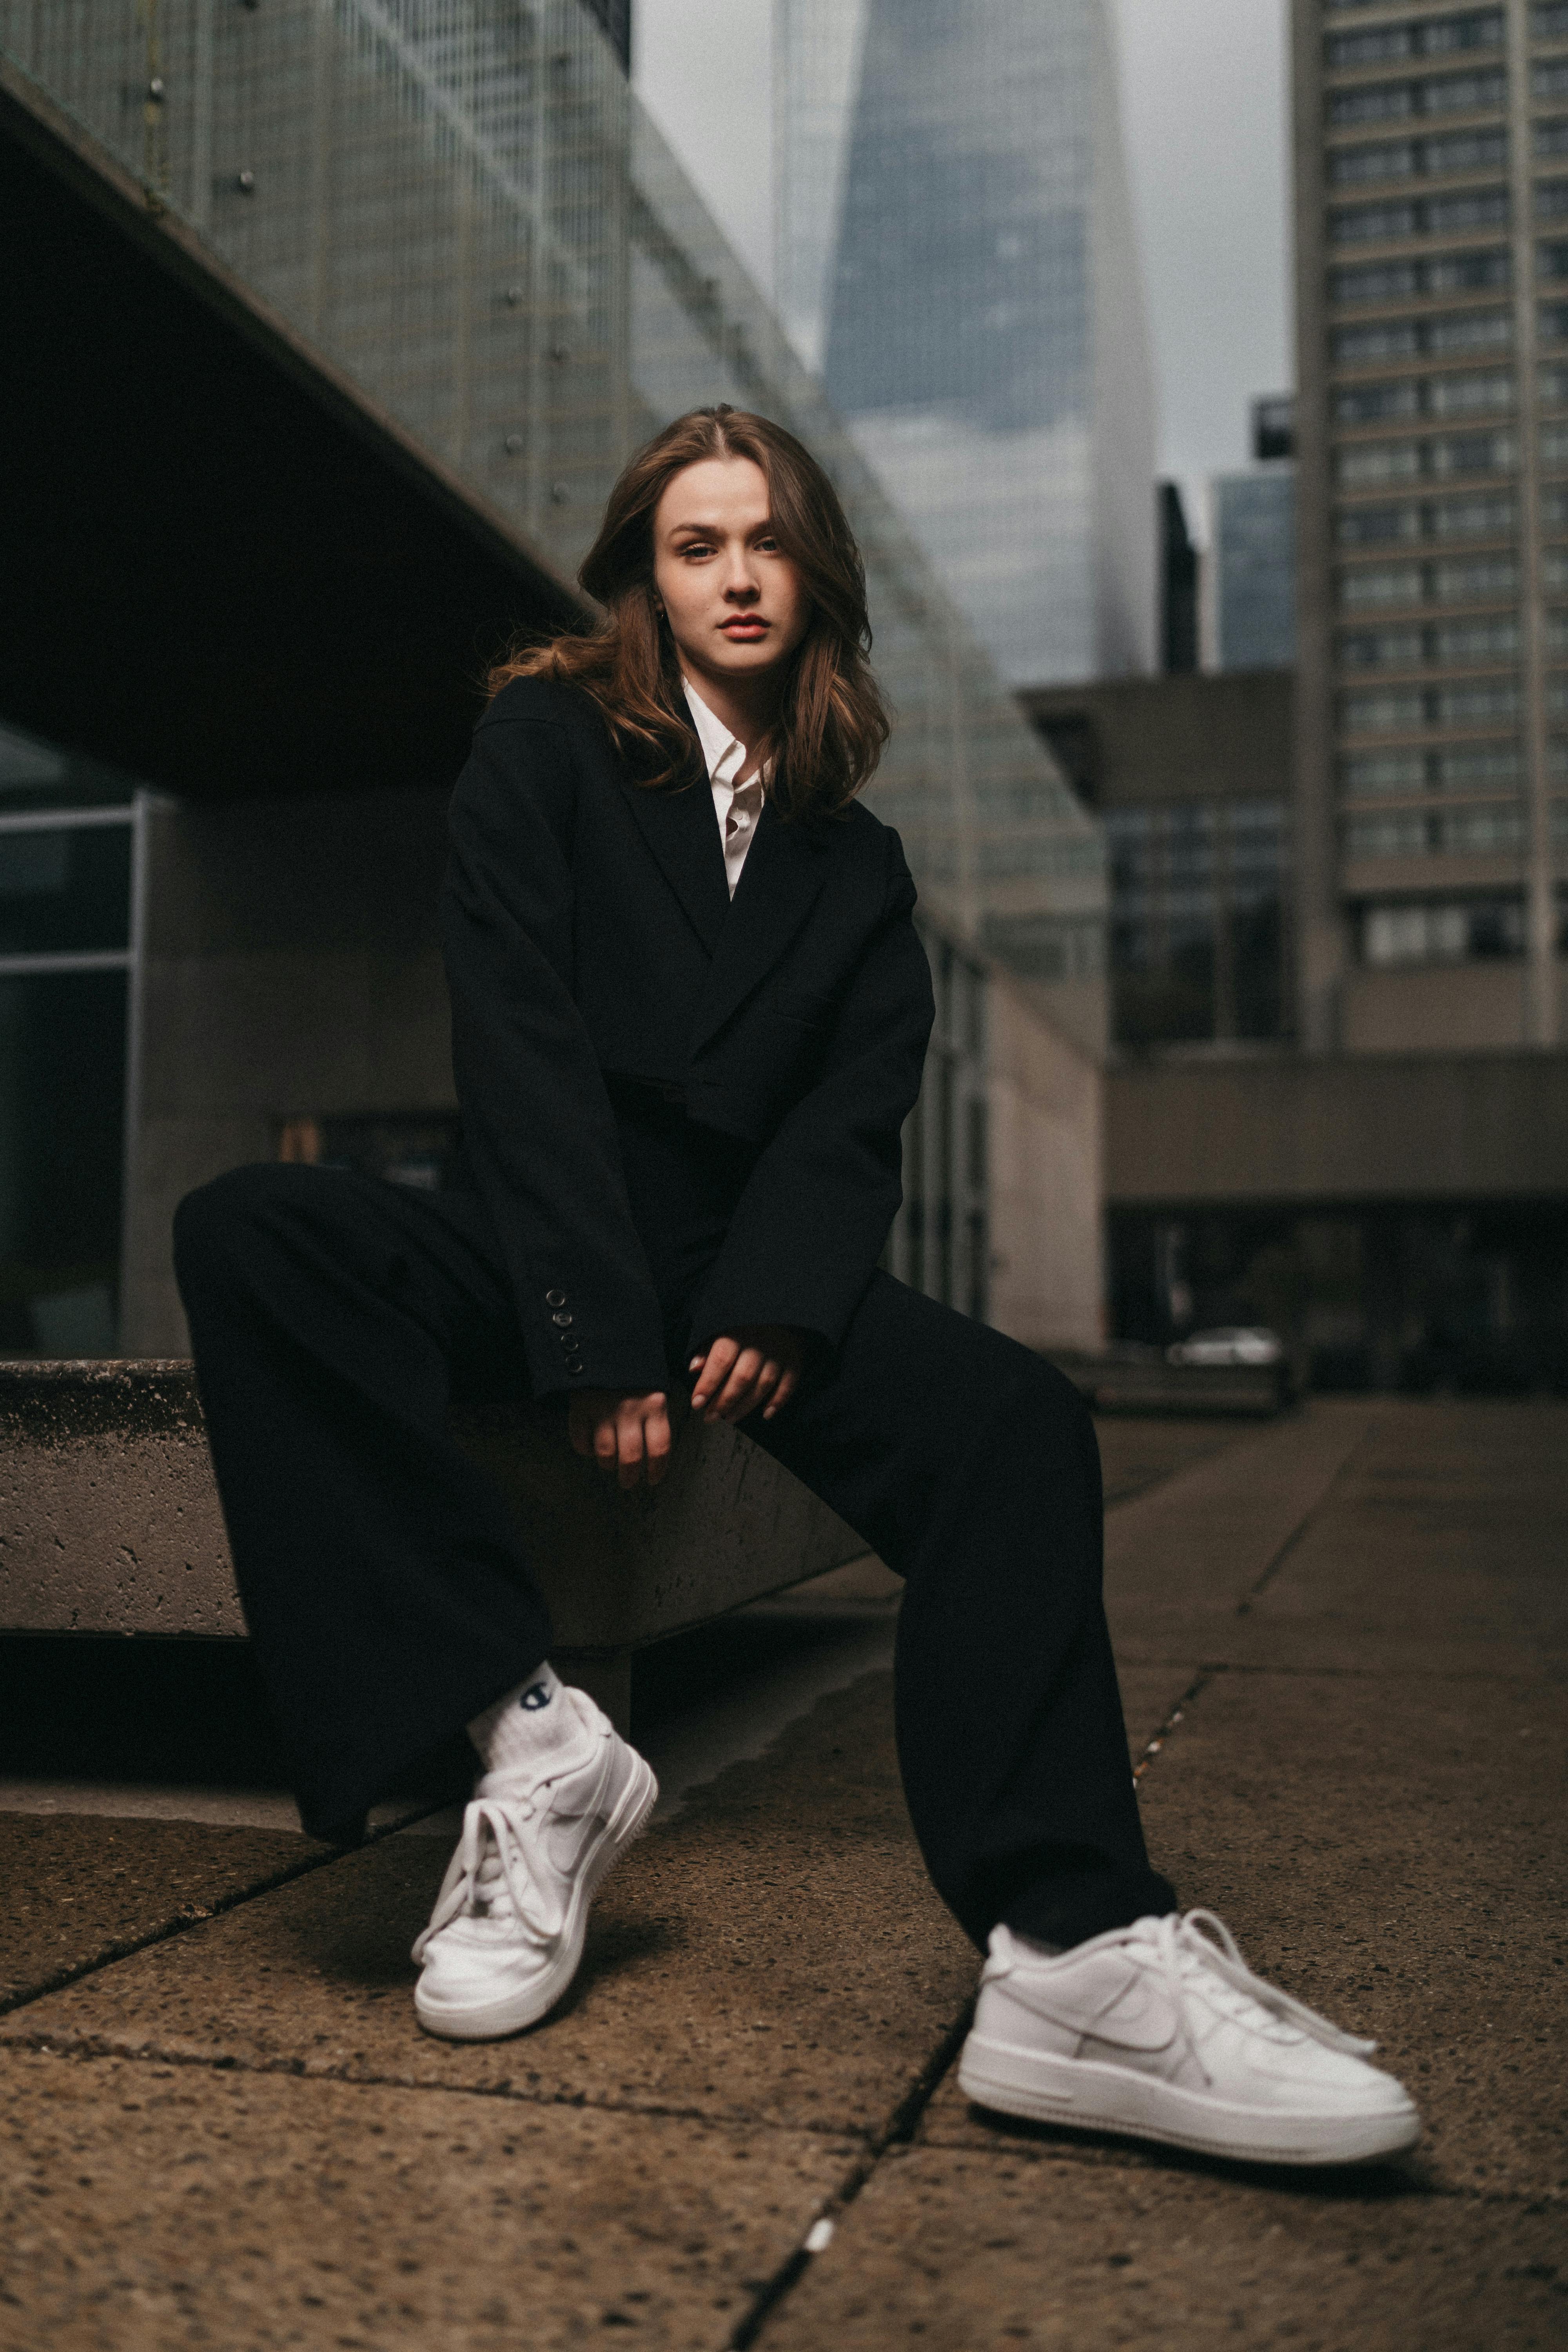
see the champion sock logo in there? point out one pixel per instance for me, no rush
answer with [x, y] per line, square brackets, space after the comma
[536, 1696]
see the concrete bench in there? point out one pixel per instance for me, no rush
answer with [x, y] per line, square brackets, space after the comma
[109, 1521]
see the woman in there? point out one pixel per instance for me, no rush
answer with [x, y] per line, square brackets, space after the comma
[690, 1010]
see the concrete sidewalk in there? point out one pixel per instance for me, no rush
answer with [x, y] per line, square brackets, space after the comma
[1342, 1639]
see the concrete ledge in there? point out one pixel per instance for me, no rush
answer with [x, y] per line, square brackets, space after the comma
[109, 1521]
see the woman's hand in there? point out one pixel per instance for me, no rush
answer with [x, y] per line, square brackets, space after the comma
[625, 1433]
[758, 1365]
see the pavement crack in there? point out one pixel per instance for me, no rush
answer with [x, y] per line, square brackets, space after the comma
[1154, 1747]
[897, 2131]
[191, 1915]
[1308, 1520]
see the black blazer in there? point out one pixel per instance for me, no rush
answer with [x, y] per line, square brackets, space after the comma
[588, 931]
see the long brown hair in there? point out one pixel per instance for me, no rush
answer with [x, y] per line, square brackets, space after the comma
[832, 723]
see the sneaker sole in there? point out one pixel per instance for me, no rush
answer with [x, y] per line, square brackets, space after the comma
[493, 2021]
[1087, 2096]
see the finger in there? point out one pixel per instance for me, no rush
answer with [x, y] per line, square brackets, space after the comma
[766, 1381]
[734, 1400]
[657, 1439]
[604, 1446]
[782, 1393]
[578, 1433]
[718, 1358]
[629, 1441]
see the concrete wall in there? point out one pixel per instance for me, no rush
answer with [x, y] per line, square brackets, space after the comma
[1415, 1126]
[1047, 1159]
[1472, 1008]
[1179, 738]
[290, 965]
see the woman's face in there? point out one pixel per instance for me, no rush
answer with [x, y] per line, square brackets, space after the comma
[736, 605]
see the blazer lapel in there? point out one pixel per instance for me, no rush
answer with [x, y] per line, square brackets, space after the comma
[682, 832]
[779, 882]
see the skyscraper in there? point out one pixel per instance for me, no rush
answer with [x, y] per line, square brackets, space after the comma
[955, 251]
[1432, 462]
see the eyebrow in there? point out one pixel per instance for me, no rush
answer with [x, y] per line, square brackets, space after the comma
[716, 530]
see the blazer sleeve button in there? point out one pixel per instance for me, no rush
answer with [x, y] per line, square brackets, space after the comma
[556, 1298]
[563, 1318]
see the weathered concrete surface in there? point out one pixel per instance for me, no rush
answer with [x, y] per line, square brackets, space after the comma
[773, 1952]
[144, 2206]
[1381, 1831]
[982, 2253]
[109, 1521]
[77, 1890]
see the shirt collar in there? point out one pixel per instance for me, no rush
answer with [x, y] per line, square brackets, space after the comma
[723, 754]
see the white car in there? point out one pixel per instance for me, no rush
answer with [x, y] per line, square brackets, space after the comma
[1232, 1345]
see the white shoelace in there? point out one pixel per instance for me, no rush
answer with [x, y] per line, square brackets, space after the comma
[1178, 1942]
[489, 1859]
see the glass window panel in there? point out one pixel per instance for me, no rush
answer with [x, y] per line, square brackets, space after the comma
[1383, 772]
[62, 1105]
[65, 889]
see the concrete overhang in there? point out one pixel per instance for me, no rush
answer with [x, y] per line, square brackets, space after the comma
[230, 572]
[1285, 1127]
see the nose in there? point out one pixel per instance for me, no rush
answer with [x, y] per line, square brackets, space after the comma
[741, 586]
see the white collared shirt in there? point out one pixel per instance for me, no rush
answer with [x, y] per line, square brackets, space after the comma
[736, 806]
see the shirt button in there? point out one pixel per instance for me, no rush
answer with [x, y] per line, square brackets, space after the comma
[556, 1298]
[561, 1318]
[573, 1367]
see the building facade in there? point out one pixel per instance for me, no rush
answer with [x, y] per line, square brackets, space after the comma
[1191, 775]
[1250, 569]
[1431, 167]
[955, 251]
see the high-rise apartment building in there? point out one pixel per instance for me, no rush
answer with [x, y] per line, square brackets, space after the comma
[1432, 434]
[955, 252]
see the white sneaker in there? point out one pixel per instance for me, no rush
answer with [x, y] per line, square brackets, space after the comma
[506, 1935]
[1160, 2029]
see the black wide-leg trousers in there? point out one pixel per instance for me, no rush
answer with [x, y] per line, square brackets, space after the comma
[387, 1590]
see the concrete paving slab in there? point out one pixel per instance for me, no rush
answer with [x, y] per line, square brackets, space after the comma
[1444, 1546]
[1182, 1558]
[80, 1889]
[143, 2208]
[1391, 1852]
[1139, 1451]
[774, 1952]
[975, 2252]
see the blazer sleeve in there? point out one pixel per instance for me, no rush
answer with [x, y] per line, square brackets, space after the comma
[538, 1131]
[813, 1220]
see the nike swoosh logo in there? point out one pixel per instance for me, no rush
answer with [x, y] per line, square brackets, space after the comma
[1137, 2020]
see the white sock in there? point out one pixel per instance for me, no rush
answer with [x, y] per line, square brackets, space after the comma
[532, 1726]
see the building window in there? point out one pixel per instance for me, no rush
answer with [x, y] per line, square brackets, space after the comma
[1463, 767]
[1489, 830]
[1197, 921]
[1444, 395]
[65, 959]
[1403, 281]
[1420, 216]
[1392, 102]
[1372, 464]
[1443, 337]
[1426, 36]
[1457, 641]
[1441, 930]
[1549, 20]
[1404, 159]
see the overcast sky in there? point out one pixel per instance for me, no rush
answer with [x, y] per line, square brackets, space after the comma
[1204, 99]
